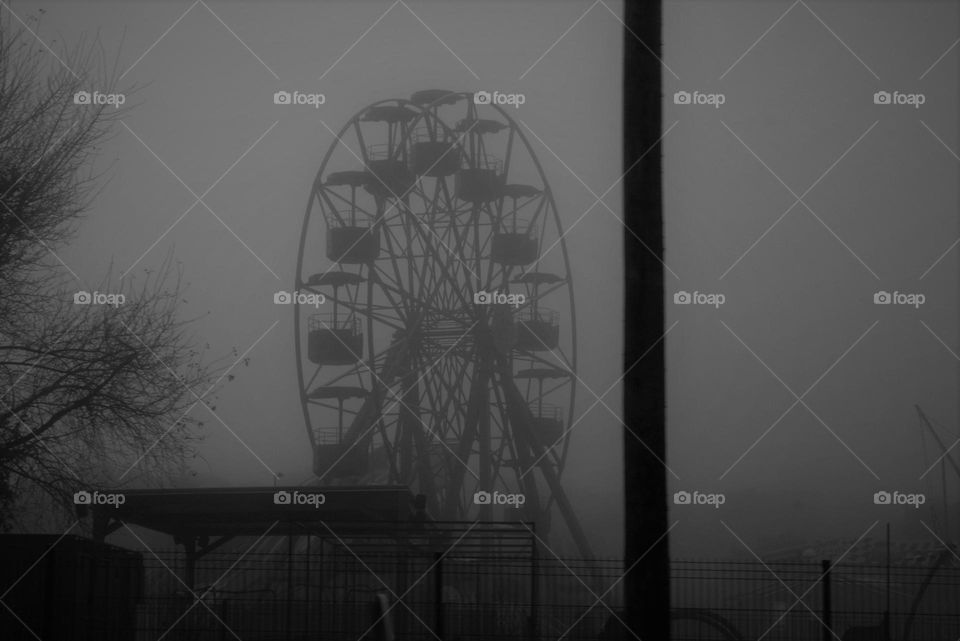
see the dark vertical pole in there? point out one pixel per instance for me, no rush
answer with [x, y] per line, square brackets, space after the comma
[190, 550]
[438, 595]
[224, 616]
[887, 615]
[827, 598]
[289, 605]
[534, 585]
[324, 623]
[308, 607]
[646, 587]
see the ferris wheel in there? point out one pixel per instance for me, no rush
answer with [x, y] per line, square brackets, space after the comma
[443, 356]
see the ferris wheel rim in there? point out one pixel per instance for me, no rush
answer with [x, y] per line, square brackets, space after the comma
[424, 111]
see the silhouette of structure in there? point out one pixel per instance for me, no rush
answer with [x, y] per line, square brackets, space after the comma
[646, 550]
[443, 354]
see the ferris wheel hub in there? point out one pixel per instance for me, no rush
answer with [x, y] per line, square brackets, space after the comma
[433, 368]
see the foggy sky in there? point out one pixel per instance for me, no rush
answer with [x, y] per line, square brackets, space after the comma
[202, 99]
[799, 299]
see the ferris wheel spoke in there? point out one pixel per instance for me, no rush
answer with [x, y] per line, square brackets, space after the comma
[500, 462]
[358, 132]
[468, 437]
[434, 387]
[521, 457]
[437, 289]
[455, 406]
[440, 312]
[380, 313]
[508, 153]
[313, 377]
[524, 444]
[385, 281]
[328, 210]
[541, 205]
[395, 254]
[428, 240]
[435, 368]
[520, 415]
[456, 274]
[461, 244]
[404, 298]
[361, 367]
[328, 194]
[420, 264]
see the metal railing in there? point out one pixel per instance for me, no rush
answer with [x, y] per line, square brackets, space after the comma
[329, 321]
[324, 587]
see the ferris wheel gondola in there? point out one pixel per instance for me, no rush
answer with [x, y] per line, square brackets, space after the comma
[424, 216]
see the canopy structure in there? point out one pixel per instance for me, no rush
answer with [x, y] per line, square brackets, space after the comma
[251, 511]
[370, 517]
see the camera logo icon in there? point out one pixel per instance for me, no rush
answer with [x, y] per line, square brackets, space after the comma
[82, 298]
[282, 98]
[82, 98]
[882, 298]
[281, 498]
[882, 98]
[682, 298]
[882, 498]
[681, 98]
[84, 497]
[482, 298]
[481, 98]
[681, 498]
[482, 498]
[282, 298]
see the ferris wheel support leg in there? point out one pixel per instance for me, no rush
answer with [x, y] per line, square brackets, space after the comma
[486, 463]
[413, 430]
[521, 419]
[370, 411]
[477, 394]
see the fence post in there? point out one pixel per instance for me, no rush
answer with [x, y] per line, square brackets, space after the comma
[534, 586]
[438, 594]
[827, 603]
[225, 616]
[289, 605]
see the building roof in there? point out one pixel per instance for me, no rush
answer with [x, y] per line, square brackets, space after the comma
[240, 511]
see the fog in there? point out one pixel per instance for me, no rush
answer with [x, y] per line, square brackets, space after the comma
[877, 185]
[203, 105]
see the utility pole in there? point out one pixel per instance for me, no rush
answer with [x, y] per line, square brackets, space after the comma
[647, 585]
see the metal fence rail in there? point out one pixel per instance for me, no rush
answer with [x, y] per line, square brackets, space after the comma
[328, 593]
[321, 588]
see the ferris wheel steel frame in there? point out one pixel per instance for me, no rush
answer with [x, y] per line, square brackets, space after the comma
[426, 300]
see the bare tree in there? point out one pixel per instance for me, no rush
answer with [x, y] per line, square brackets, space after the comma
[90, 395]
